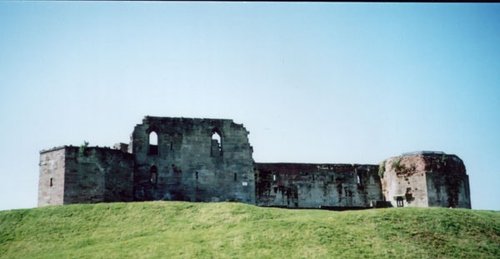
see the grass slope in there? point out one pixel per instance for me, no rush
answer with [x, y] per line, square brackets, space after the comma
[223, 230]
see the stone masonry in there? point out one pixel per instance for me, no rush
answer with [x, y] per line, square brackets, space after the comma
[426, 179]
[211, 160]
[85, 175]
[193, 160]
[317, 185]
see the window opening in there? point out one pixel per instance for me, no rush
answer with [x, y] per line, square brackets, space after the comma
[196, 175]
[358, 179]
[216, 144]
[153, 175]
[153, 143]
[51, 182]
[235, 177]
[274, 177]
[399, 201]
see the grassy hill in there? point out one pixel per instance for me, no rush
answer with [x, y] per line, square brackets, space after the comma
[233, 230]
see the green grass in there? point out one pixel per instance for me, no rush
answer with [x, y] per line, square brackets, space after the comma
[233, 230]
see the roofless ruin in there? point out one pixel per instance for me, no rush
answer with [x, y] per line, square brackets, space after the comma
[204, 160]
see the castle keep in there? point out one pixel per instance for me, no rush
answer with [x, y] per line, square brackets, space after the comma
[211, 160]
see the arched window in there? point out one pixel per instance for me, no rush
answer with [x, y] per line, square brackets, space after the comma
[153, 175]
[216, 147]
[153, 143]
[153, 138]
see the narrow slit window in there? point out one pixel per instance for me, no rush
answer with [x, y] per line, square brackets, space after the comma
[153, 178]
[196, 175]
[51, 182]
[235, 177]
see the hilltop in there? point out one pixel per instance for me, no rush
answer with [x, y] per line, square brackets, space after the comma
[229, 230]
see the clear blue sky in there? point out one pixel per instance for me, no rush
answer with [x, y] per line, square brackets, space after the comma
[312, 82]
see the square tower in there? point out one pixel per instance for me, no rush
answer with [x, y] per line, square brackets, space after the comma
[84, 175]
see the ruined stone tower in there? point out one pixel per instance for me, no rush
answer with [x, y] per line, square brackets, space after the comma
[211, 160]
[84, 175]
[192, 160]
[425, 179]
[167, 159]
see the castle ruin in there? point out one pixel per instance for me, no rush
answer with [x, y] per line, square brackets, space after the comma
[206, 160]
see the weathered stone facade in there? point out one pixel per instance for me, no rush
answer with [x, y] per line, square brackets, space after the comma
[85, 175]
[51, 181]
[211, 160]
[317, 185]
[426, 179]
[192, 160]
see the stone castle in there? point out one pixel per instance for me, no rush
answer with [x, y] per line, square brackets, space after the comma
[204, 160]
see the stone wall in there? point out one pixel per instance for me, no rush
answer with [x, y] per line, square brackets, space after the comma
[404, 180]
[73, 175]
[192, 160]
[317, 185]
[211, 160]
[425, 179]
[447, 182]
[51, 178]
[98, 175]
